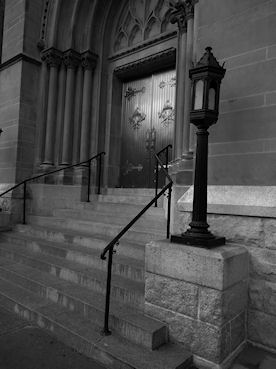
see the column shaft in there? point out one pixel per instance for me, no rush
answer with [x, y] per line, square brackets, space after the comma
[86, 114]
[77, 116]
[71, 60]
[195, 54]
[42, 113]
[187, 94]
[60, 113]
[180, 88]
[51, 115]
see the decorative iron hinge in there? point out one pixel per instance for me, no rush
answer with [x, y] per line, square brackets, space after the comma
[130, 92]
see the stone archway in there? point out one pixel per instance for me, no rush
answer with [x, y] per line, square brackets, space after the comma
[143, 42]
[89, 49]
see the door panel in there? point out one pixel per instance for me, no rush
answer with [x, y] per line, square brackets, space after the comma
[147, 123]
[136, 123]
[163, 112]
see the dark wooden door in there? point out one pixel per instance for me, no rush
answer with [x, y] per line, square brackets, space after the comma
[147, 123]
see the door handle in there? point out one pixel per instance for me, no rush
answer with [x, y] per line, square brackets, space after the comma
[153, 138]
[148, 139]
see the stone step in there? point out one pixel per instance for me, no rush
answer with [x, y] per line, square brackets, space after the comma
[118, 218]
[95, 242]
[129, 199]
[123, 290]
[134, 234]
[112, 351]
[131, 191]
[123, 266]
[127, 322]
[121, 208]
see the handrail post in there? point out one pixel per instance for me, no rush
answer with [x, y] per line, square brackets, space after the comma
[88, 184]
[99, 159]
[106, 330]
[169, 211]
[167, 157]
[156, 181]
[24, 201]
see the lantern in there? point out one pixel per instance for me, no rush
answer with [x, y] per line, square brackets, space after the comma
[206, 78]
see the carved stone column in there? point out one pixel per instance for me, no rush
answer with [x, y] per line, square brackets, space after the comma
[71, 59]
[183, 15]
[60, 112]
[195, 54]
[179, 17]
[88, 62]
[77, 115]
[43, 96]
[189, 10]
[53, 58]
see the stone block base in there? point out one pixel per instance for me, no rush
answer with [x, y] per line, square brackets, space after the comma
[202, 295]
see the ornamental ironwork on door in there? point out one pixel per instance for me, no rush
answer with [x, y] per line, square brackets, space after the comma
[147, 123]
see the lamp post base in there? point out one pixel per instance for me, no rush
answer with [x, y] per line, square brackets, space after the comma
[192, 240]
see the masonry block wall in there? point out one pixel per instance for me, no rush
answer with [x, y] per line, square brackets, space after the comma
[19, 86]
[243, 142]
[256, 232]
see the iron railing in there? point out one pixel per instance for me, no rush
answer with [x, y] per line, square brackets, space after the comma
[166, 151]
[98, 157]
[110, 247]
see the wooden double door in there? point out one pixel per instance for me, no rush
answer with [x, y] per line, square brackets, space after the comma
[147, 124]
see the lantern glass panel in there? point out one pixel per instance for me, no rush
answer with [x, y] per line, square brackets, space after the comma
[212, 99]
[199, 87]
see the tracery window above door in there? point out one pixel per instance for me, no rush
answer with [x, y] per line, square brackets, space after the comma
[141, 20]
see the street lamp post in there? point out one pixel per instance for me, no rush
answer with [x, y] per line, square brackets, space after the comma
[206, 79]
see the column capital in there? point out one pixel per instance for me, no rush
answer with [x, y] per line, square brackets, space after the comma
[178, 15]
[189, 9]
[182, 11]
[52, 57]
[89, 60]
[71, 58]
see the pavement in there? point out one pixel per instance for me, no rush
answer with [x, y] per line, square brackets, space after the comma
[23, 346]
[255, 358]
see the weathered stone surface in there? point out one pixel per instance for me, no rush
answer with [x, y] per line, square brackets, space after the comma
[270, 233]
[262, 328]
[238, 330]
[172, 294]
[239, 366]
[217, 268]
[205, 340]
[180, 326]
[268, 363]
[218, 307]
[262, 296]
[263, 264]
[259, 201]
[238, 229]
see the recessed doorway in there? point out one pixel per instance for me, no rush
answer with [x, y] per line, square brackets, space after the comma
[148, 116]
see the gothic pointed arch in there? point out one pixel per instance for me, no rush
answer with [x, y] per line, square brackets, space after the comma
[146, 19]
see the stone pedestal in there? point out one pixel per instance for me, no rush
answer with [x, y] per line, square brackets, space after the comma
[202, 295]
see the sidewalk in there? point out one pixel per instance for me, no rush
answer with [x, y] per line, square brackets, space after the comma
[26, 347]
[255, 358]
[23, 346]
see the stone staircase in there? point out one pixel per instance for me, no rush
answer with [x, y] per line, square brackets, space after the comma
[51, 274]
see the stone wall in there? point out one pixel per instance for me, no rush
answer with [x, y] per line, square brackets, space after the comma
[202, 296]
[243, 142]
[19, 90]
[251, 221]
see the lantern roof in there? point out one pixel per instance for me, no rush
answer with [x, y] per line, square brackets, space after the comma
[208, 64]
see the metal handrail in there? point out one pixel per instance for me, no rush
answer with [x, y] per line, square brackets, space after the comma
[24, 183]
[110, 247]
[165, 149]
